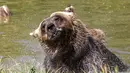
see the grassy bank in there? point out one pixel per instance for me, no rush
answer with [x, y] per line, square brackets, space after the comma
[36, 67]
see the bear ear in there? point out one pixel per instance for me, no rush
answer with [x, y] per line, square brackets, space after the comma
[69, 8]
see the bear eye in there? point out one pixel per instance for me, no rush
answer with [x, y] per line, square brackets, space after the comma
[58, 18]
[51, 27]
[43, 27]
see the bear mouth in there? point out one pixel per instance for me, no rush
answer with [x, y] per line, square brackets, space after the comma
[55, 35]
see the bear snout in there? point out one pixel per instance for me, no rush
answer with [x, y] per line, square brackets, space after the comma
[38, 34]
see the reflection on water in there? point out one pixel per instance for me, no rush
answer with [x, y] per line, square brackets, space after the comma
[112, 16]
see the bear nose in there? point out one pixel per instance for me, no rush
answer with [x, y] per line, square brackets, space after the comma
[33, 34]
[37, 34]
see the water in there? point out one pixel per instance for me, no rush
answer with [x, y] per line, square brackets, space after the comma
[112, 16]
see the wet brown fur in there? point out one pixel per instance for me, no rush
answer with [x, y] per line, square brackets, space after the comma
[74, 50]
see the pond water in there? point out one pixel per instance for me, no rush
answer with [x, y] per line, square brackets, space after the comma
[112, 16]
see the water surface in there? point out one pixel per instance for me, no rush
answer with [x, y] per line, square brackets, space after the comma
[112, 16]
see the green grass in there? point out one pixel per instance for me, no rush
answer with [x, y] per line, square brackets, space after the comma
[38, 68]
[22, 68]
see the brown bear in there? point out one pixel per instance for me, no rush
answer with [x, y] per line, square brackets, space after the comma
[70, 48]
[5, 13]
